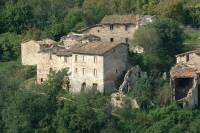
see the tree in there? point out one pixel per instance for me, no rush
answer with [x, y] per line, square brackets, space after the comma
[193, 13]
[172, 37]
[148, 38]
[9, 46]
[73, 18]
[171, 8]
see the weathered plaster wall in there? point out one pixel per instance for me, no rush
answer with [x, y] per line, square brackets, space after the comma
[194, 59]
[29, 53]
[90, 64]
[55, 63]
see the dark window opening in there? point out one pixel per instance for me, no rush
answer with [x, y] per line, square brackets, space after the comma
[98, 30]
[111, 39]
[116, 71]
[187, 57]
[94, 86]
[182, 87]
[199, 95]
[126, 40]
[83, 87]
[139, 74]
[51, 70]
[126, 27]
[111, 27]
[41, 80]
[50, 56]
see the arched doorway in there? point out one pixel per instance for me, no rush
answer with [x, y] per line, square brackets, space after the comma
[83, 87]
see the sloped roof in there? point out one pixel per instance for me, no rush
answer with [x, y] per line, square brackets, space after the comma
[92, 48]
[119, 19]
[96, 48]
[183, 71]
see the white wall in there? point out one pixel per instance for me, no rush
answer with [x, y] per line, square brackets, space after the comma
[78, 78]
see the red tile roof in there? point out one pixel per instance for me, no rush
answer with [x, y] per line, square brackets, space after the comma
[184, 72]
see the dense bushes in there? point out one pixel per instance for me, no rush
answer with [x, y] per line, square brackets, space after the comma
[161, 40]
[56, 110]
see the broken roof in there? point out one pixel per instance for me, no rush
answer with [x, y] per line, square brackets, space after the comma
[183, 71]
[119, 19]
[92, 48]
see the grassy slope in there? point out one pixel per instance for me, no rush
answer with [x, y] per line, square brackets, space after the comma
[192, 38]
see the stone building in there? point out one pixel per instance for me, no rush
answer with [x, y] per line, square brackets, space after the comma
[96, 58]
[88, 63]
[185, 78]
[115, 28]
[30, 50]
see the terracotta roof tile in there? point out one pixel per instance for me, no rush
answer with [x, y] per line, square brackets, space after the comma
[183, 72]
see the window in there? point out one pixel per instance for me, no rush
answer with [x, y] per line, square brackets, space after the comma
[95, 72]
[187, 57]
[83, 87]
[94, 86]
[95, 59]
[50, 56]
[76, 70]
[83, 58]
[83, 71]
[116, 71]
[98, 30]
[76, 58]
[126, 27]
[111, 27]
[139, 75]
[51, 70]
[126, 40]
[111, 39]
[41, 80]
[65, 59]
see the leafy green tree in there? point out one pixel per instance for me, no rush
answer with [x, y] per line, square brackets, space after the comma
[171, 8]
[9, 46]
[73, 18]
[83, 113]
[172, 37]
[16, 16]
[193, 11]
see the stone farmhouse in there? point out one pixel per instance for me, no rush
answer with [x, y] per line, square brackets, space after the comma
[185, 79]
[96, 58]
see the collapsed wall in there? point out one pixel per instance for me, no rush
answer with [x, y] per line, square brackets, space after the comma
[132, 75]
[184, 82]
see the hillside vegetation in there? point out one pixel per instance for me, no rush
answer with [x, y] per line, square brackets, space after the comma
[29, 108]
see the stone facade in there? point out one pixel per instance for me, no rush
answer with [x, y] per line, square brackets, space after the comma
[30, 51]
[96, 58]
[87, 70]
[185, 79]
[118, 33]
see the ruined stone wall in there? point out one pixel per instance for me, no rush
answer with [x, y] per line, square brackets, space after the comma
[87, 69]
[119, 34]
[115, 63]
[69, 42]
[194, 59]
[29, 53]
